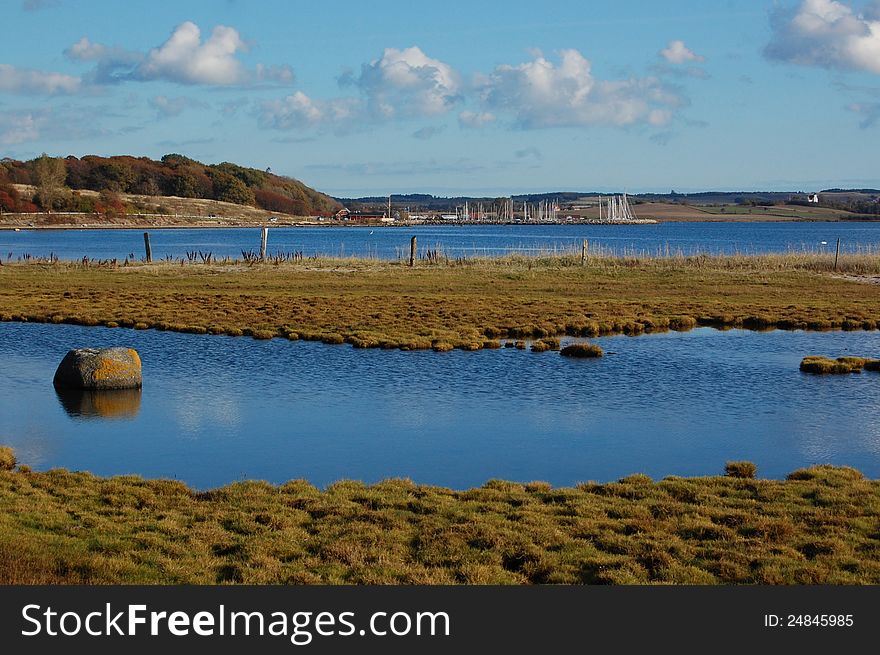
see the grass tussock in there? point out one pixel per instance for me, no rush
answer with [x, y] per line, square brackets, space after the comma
[744, 470]
[816, 527]
[819, 365]
[582, 350]
[468, 303]
[7, 458]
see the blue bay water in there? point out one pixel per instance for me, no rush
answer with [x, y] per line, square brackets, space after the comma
[453, 241]
[216, 409]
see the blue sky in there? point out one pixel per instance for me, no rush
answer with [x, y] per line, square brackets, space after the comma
[362, 98]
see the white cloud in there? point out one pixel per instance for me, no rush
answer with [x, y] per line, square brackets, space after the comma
[828, 34]
[407, 83]
[168, 107]
[475, 118]
[19, 127]
[542, 94]
[113, 64]
[401, 84]
[299, 110]
[184, 58]
[64, 122]
[678, 53]
[85, 50]
[27, 81]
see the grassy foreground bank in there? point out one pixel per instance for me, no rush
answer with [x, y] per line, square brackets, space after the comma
[465, 304]
[820, 526]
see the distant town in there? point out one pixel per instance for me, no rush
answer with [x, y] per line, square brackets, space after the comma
[572, 207]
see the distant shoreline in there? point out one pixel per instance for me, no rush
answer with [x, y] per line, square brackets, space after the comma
[20, 227]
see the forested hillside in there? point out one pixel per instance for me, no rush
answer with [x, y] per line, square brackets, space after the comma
[55, 182]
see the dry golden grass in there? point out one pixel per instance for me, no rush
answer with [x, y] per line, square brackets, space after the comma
[464, 304]
[582, 351]
[818, 527]
[820, 365]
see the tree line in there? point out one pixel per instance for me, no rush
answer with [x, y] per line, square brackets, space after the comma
[56, 180]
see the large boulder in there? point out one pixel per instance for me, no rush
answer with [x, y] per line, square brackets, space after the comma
[107, 368]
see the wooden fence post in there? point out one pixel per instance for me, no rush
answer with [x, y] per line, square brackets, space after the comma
[264, 239]
[412, 252]
[837, 254]
[584, 250]
[147, 247]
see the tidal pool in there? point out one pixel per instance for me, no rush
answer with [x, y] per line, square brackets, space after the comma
[215, 409]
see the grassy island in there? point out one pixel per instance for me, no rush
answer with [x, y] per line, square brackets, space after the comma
[467, 304]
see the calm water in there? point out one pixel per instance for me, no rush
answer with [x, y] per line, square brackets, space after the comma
[217, 409]
[455, 241]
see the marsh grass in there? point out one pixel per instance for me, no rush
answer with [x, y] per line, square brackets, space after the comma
[746, 470]
[7, 458]
[582, 350]
[817, 527]
[819, 365]
[466, 303]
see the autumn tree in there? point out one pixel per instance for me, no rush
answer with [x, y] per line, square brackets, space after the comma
[229, 188]
[50, 174]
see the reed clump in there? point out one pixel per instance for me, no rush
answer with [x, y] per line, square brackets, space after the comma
[582, 350]
[819, 365]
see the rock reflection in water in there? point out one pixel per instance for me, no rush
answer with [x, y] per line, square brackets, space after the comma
[116, 403]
